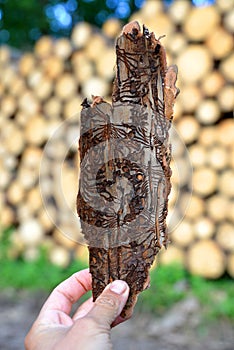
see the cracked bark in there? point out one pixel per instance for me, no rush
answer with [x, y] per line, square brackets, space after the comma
[125, 146]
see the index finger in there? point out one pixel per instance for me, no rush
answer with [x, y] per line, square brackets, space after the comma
[68, 292]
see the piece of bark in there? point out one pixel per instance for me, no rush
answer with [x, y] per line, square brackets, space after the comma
[124, 165]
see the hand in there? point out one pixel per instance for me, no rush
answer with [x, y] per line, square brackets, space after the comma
[90, 326]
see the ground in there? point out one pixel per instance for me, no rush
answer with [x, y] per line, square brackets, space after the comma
[180, 328]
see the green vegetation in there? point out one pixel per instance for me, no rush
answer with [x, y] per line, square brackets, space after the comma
[23, 22]
[216, 297]
[38, 274]
[169, 284]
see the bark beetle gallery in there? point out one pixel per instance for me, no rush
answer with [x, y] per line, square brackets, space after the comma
[124, 165]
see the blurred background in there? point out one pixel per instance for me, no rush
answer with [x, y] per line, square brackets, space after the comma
[53, 54]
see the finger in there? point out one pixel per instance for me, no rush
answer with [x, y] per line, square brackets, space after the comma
[110, 303]
[119, 319]
[128, 313]
[68, 292]
[83, 309]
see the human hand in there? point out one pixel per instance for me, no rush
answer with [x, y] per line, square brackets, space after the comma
[90, 326]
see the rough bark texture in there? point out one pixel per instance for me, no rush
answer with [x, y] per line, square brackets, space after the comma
[124, 165]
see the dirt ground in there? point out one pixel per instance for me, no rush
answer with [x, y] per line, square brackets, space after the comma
[180, 328]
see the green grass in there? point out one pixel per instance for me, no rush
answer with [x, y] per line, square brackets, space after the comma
[38, 274]
[216, 297]
[169, 284]
[166, 288]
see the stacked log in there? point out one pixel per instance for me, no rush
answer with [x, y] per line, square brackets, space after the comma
[41, 95]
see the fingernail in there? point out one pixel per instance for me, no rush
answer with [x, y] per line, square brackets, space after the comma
[118, 287]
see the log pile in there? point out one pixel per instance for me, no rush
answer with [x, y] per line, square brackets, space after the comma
[40, 97]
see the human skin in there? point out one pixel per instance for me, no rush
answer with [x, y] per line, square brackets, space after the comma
[90, 326]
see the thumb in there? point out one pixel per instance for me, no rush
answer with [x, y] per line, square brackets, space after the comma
[110, 303]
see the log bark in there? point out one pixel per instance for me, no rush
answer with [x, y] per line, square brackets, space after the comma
[123, 206]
